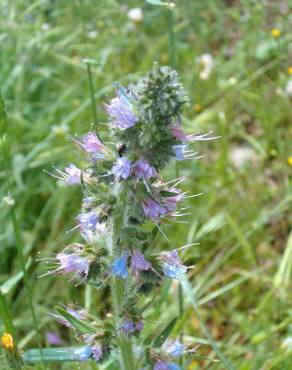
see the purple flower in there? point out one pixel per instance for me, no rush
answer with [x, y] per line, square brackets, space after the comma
[79, 315]
[179, 151]
[72, 312]
[72, 262]
[142, 169]
[97, 351]
[139, 326]
[128, 326]
[72, 174]
[91, 143]
[172, 257]
[88, 220]
[138, 262]
[121, 111]
[153, 209]
[119, 267]
[164, 365]
[177, 132]
[173, 348]
[53, 339]
[122, 168]
[170, 202]
[161, 365]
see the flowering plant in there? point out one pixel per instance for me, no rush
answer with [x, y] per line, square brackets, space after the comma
[124, 196]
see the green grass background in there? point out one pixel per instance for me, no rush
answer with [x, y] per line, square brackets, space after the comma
[242, 274]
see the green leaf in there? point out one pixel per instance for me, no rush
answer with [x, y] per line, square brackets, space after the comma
[3, 119]
[161, 338]
[79, 325]
[10, 283]
[161, 3]
[193, 301]
[65, 354]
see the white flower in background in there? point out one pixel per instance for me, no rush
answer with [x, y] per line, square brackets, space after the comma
[45, 26]
[287, 343]
[206, 63]
[288, 89]
[8, 200]
[60, 129]
[135, 15]
[242, 155]
[232, 81]
[92, 34]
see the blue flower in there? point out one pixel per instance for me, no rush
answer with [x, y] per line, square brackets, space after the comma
[173, 366]
[174, 271]
[97, 351]
[179, 151]
[88, 220]
[119, 267]
[143, 170]
[164, 365]
[138, 262]
[83, 353]
[121, 111]
[122, 168]
[173, 348]
[72, 262]
[128, 326]
[153, 209]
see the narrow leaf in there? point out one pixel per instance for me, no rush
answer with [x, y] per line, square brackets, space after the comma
[161, 338]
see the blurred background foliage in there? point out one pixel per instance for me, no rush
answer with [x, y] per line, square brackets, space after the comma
[242, 274]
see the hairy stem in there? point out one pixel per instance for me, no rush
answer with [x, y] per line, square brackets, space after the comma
[124, 343]
[118, 285]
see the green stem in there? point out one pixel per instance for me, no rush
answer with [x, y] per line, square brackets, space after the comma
[118, 285]
[171, 40]
[124, 343]
[172, 63]
[5, 314]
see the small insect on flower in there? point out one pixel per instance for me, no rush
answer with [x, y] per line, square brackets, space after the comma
[7, 341]
[122, 168]
[119, 267]
[143, 170]
[121, 111]
[152, 209]
[73, 263]
[139, 263]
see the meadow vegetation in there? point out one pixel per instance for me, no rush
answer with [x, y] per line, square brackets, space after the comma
[241, 223]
